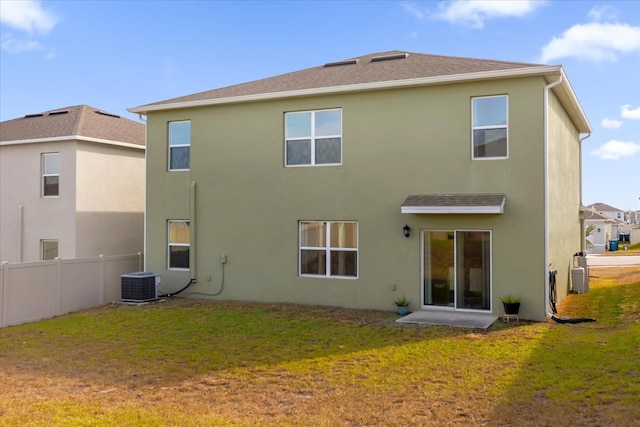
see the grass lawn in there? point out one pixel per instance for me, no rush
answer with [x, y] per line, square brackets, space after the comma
[188, 362]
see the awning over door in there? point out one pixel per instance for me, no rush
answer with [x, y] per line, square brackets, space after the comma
[454, 204]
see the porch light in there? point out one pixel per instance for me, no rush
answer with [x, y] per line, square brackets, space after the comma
[406, 229]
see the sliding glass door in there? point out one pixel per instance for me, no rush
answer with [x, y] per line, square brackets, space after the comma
[456, 269]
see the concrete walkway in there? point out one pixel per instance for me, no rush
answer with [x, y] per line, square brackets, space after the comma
[612, 260]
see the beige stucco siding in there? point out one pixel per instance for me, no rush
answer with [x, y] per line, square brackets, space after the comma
[395, 143]
[99, 210]
[110, 200]
[564, 194]
[42, 218]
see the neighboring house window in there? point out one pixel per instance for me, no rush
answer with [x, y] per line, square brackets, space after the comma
[490, 127]
[179, 145]
[457, 269]
[49, 249]
[179, 238]
[313, 138]
[328, 248]
[50, 174]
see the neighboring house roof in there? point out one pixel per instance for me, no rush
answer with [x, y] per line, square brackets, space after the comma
[602, 207]
[74, 122]
[378, 71]
[595, 216]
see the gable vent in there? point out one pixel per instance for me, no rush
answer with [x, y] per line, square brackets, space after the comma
[28, 116]
[57, 113]
[389, 57]
[337, 63]
[107, 114]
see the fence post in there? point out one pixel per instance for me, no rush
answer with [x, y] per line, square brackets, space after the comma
[102, 281]
[58, 285]
[4, 293]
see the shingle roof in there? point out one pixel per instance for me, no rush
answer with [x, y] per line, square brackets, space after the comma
[77, 120]
[399, 65]
[591, 215]
[369, 72]
[603, 207]
[454, 203]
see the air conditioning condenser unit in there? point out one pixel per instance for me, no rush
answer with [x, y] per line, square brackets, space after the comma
[139, 287]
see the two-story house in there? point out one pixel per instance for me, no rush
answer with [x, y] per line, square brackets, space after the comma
[609, 211]
[452, 181]
[71, 185]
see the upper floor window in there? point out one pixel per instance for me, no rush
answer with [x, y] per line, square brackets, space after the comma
[313, 138]
[490, 127]
[48, 249]
[50, 174]
[179, 145]
[328, 248]
[179, 243]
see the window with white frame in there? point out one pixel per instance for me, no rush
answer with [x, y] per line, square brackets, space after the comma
[490, 127]
[48, 249]
[179, 145]
[313, 138]
[50, 174]
[328, 248]
[179, 237]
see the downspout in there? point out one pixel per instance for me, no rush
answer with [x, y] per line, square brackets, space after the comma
[192, 231]
[144, 212]
[547, 266]
[20, 231]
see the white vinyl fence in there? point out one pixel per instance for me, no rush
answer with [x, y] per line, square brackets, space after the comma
[31, 291]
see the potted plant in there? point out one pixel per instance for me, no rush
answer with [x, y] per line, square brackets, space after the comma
[403, 305]
[511, 304]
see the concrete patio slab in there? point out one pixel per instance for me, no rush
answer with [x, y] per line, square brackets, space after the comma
[456, 320]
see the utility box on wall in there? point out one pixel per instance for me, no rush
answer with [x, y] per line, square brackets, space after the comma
[140, 287]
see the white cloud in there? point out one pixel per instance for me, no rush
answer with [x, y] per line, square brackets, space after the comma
[628, 113]
[475, 13]
[603, 13]
[613, 150]
[28, 18]
[412, 9]
[27, 15]
[611, 123]
[594, 41]
[11, 45]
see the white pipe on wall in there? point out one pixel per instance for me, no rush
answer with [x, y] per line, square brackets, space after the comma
[20, 232]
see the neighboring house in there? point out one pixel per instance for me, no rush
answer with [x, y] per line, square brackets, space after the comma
[71, 185]
[302, 187]
[604, 228]
[610, 211]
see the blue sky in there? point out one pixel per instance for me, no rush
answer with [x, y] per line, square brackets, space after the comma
[114, 55]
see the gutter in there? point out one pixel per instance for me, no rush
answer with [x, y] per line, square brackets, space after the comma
[73, 138]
